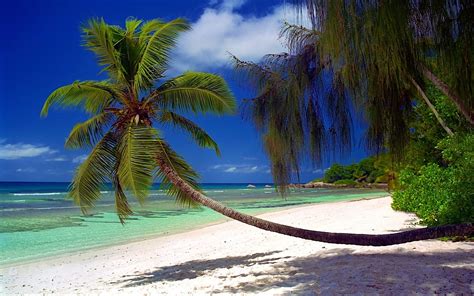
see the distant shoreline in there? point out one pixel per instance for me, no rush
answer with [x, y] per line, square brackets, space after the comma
[333, 185]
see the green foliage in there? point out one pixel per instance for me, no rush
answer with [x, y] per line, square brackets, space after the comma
[441, 194]
[137, 150]
[198, 134]
[93, 172]
[426, 132]
[337, 172]
[298, 112]
[378, 48]
[92, 96]
[376, 53]
[346, 182]
[126, 145]
[196, 92]
[370, 170]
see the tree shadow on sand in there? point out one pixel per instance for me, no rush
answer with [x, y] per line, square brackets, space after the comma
[196, 268]
[336, 271]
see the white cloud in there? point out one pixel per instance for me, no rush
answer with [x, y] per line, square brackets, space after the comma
[222, 29]
[240, 168]
[60, 158]
[80, 158]
[20, 150]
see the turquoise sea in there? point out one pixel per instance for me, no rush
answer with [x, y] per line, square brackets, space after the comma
[38, 220]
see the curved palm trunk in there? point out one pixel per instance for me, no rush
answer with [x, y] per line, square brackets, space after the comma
[432, 108]
[328, 237]
[465, 110]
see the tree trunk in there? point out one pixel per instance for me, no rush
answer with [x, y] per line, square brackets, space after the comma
[460, 105]
[432, 108]
[327, 237]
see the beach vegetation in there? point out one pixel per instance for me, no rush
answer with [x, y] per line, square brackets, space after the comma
[441, 193]
[128, 149]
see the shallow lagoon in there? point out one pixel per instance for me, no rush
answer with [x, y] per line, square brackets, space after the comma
[38, 220]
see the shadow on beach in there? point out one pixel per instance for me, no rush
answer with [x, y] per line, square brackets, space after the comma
[338, 271]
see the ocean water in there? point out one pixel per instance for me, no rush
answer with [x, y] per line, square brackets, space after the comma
[38, 220]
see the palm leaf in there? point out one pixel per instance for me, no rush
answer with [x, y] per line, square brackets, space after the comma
[93, 96]
[156, 49]
[88, 132]
[196, 92]
[94, 171]
[137, 154]
[197, 133]
[101, 39]
[121, 204]
[183, 169]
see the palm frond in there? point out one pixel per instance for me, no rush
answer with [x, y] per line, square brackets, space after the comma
[157, 39]
[197, 133]
[137, 154]
[87, 133]
[183, 169]
[196, 92]
[131, 26]
[121, 204]
[93, 96]
[93, 172]
[102, 38]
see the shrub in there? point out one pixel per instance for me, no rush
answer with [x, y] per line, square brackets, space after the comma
[346, 182]
[337, 172]
[438, 194]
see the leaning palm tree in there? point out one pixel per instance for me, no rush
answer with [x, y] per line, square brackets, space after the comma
[130, 152]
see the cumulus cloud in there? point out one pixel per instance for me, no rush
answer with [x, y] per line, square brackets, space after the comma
[79, 159]
[222, 29]
[20, 150]
[240, 168]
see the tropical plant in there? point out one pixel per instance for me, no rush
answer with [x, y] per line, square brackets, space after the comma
[127, 148]
[441, 194]
[378, 57]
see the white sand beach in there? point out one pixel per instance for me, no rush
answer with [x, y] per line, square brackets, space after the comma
[233, 258]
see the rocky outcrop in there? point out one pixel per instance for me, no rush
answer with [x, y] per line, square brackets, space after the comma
[332, 185]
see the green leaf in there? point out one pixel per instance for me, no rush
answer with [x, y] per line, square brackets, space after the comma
[196, 92]
[156, 50]
[183, 169]
[197, 133]
[88, 132]
[121, 203]
[137, 153]
[92, 96]
[93, 172]
[102, 39]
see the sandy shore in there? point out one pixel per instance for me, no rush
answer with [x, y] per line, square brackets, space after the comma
[233, 258]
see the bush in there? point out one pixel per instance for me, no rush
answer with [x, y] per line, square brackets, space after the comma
[438, 194]
[346, 182]
[381, 179]
[337, 172]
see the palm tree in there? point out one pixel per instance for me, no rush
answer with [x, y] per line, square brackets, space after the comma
[127, 148]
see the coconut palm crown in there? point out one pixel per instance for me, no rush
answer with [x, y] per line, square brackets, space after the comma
[126, 109]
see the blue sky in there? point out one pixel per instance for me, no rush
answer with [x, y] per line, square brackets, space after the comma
[41, 50]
